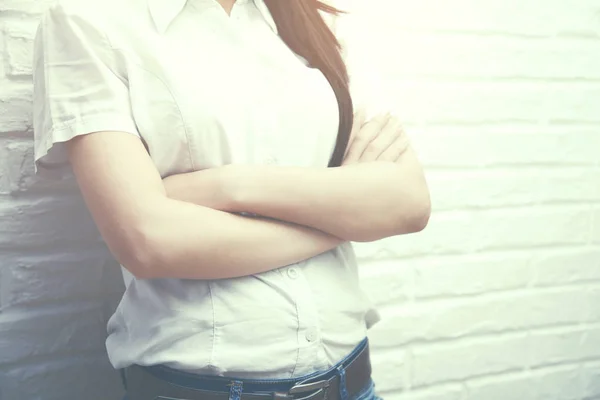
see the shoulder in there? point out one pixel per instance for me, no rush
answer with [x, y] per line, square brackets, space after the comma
[75, 9]
[101, 14]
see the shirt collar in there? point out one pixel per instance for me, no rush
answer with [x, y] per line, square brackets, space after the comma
[165, 11]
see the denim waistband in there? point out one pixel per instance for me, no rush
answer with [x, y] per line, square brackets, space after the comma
[219, 383]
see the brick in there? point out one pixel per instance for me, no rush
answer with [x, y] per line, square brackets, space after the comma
[24, 8]
[19, 48]
[54, 278]
[427, 322]
[436, 392]
[89, 375]
[572, 103]
[563, 383]
[554, 268]
[390, 370]
[387, 281]
[595, 235]
[516, 386]
[46, 222]
[564, 345]
[458, 361]
[590, 374]
[440, 56]
[69, 329]
[463, 102]
[512, 187]
[15, 108]
[16, 161]
[504, 145]
[449, 276]
[2, 63]
[513, 17]
[489, 230]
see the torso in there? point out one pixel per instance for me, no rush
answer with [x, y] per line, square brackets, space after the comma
[215, 89]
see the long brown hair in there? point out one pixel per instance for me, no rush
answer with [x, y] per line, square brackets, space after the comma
[302, 27]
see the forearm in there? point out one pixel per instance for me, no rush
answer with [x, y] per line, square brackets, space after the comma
[326, 199]
[360, 202]
[187, 241]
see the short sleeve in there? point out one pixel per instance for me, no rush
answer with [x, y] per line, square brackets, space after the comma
[79, 88]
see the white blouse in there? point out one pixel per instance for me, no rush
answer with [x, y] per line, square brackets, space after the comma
[202, 89]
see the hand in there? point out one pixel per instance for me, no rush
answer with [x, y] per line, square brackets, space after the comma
[379, 139]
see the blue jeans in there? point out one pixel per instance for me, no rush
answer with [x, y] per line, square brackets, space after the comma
[368, 393]
[211, 383]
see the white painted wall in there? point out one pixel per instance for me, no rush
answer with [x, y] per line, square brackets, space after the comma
[499, 299]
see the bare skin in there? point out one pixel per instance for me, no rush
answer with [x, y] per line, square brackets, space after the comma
[227, 5]
[183, 226]
[154, 235]
[379, 191]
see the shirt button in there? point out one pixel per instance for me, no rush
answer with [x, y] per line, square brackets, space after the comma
[311, 334]
[292, 273]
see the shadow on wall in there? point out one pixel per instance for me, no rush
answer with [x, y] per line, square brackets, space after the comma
[58, 286]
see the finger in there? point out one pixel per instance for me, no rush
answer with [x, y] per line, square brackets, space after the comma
[397, 149]
[362, 139]
[386, 138]
[403, 148]
[360, 117]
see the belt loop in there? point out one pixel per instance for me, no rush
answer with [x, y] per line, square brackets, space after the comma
[343, 388]
[235, 392]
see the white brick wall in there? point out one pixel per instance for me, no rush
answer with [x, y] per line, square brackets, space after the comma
[499, 299]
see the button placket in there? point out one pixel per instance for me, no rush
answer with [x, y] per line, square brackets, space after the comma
[307, 312]
[235, 10]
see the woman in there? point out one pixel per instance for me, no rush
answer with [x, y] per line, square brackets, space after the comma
[200, 133]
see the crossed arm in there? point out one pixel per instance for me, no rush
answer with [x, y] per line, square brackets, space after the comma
[183, 227]
[360, 202]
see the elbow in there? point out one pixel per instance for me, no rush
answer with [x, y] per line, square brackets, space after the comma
[406, 209]
[411, 217]
[414, 217]
[419, 218]
[412, 205]
[140, 266]
[138, 255]
[413, 220]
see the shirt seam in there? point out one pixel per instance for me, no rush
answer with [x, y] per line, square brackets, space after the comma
[297, 340]
[185, 129]
[45, 71]
[214, 327]
[67, 125]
